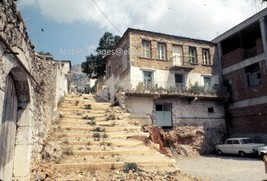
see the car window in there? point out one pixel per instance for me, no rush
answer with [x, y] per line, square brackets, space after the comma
[247, 141]
[228, 142]
[235, 142]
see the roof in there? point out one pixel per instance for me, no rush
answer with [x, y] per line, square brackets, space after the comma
[160, 35]
[241, 138]
[166, 35]
[241, 25]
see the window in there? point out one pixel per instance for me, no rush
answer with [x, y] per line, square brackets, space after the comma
[207, 82]
[193, 55]
[210, 109]
[161, 51]
[146, 49]
[253, 75]
[179, 81]
[148, 79]
[206, 56]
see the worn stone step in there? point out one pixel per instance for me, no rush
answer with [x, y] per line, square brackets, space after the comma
[110, 135]
[114, 142]
[115, 157]
[105, 166]
[89, 107]
[98, 122]
[73, 128]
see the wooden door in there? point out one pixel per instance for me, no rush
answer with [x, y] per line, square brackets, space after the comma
[164, 115]
[8, 130]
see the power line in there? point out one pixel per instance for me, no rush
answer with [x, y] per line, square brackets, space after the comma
[106, 16]
[125, 13]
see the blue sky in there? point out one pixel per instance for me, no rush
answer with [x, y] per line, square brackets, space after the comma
[70, 30]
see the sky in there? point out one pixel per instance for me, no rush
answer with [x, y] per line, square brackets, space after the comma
[71, 29]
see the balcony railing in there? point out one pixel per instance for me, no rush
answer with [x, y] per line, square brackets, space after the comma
[177, 89]
[181, 62]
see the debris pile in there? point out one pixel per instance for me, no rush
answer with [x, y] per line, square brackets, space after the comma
[179, 141]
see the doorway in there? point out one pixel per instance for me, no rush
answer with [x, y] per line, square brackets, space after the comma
[177, 54]
[8, 130]
[164, 115]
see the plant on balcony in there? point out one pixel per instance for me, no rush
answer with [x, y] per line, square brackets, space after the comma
[171, 90]
[154, 88]
[196, 89]
[140, 87]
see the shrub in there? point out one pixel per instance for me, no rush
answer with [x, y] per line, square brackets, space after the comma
[130, 166]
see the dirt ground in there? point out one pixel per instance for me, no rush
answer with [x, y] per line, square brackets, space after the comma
[223, 168]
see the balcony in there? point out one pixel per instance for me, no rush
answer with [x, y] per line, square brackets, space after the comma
[179, 90]
[179, 63]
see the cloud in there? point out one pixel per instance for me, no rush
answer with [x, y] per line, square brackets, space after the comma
[203, 19]
[25, 3]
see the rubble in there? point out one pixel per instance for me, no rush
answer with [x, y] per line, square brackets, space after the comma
[179, 141]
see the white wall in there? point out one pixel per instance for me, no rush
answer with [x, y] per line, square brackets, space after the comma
[139, 105]
[166, 79]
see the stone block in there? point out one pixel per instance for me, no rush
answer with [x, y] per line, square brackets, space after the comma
[22, 161]
[24, 135]
[24, 118]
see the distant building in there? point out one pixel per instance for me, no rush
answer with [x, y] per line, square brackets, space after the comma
[242, 52]
[172, 79]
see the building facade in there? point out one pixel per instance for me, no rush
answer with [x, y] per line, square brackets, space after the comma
[172, 79]
[242, 53]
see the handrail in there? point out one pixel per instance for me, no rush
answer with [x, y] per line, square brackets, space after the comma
[14, 54]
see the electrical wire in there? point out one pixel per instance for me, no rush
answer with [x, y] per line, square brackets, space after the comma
[125, 14]
[106, 16]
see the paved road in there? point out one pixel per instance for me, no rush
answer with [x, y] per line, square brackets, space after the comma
[223, 168]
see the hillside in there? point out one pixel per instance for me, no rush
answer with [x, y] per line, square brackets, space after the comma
[78, 78]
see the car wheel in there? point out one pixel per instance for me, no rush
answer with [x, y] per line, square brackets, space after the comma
[242, 154]
[262, 156]
[219, 152]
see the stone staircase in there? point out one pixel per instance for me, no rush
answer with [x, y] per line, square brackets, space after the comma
[95, 138]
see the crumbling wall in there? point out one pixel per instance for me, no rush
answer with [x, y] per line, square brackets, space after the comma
[183, 140]
[35, 80]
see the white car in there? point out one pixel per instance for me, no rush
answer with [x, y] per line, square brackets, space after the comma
[240, 146]
[262, 150]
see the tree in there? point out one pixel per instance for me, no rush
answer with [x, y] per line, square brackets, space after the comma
[95, 65]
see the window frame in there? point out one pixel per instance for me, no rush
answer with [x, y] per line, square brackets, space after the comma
[206, 57]
[148, 85]
[162, 51]
[210, 78]
[146, 49]
[193, 56]
[253, 74]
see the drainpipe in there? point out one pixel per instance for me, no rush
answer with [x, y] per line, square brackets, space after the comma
[220, 72]
[263, 35]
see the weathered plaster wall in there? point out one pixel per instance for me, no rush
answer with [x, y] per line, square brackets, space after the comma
[166, 78]
[139, 105]
[36, 90]
[195, 112]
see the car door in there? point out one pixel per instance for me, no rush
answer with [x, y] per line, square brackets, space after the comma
[235, 146]
[228, 147]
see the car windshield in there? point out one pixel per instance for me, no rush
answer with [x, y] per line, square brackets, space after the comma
[247, 141]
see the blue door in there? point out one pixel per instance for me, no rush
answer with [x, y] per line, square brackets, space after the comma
[163, 115]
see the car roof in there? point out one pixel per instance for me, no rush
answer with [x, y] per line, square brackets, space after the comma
[241, 138]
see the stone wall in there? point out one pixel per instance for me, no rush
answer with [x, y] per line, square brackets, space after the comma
[36, 89]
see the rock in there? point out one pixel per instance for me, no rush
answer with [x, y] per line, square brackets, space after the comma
[40, 176]
[52, 151]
